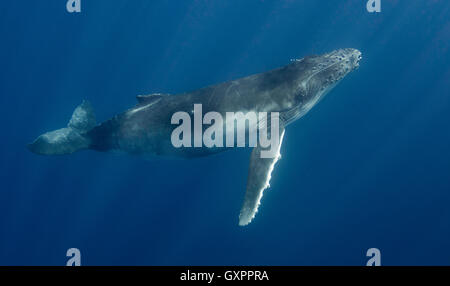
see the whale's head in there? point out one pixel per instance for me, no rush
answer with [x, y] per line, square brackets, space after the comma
[323, 72]
[332, 67]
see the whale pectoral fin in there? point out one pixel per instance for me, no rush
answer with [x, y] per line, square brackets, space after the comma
[258, 180]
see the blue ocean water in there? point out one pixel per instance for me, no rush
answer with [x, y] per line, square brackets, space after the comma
[367, 167]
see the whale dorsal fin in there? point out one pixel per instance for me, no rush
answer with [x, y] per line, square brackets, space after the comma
[149, 98]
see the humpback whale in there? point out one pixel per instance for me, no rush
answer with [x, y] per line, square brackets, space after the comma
[145, 129]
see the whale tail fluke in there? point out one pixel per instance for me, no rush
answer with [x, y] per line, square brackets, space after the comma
[68, 139]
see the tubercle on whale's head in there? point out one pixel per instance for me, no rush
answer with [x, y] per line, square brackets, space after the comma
[340, 62]
[327, 70]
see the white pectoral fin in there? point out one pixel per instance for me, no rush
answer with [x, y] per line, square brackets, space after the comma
[259, 175]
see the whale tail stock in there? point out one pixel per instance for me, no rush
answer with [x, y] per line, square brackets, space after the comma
[68, 139]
